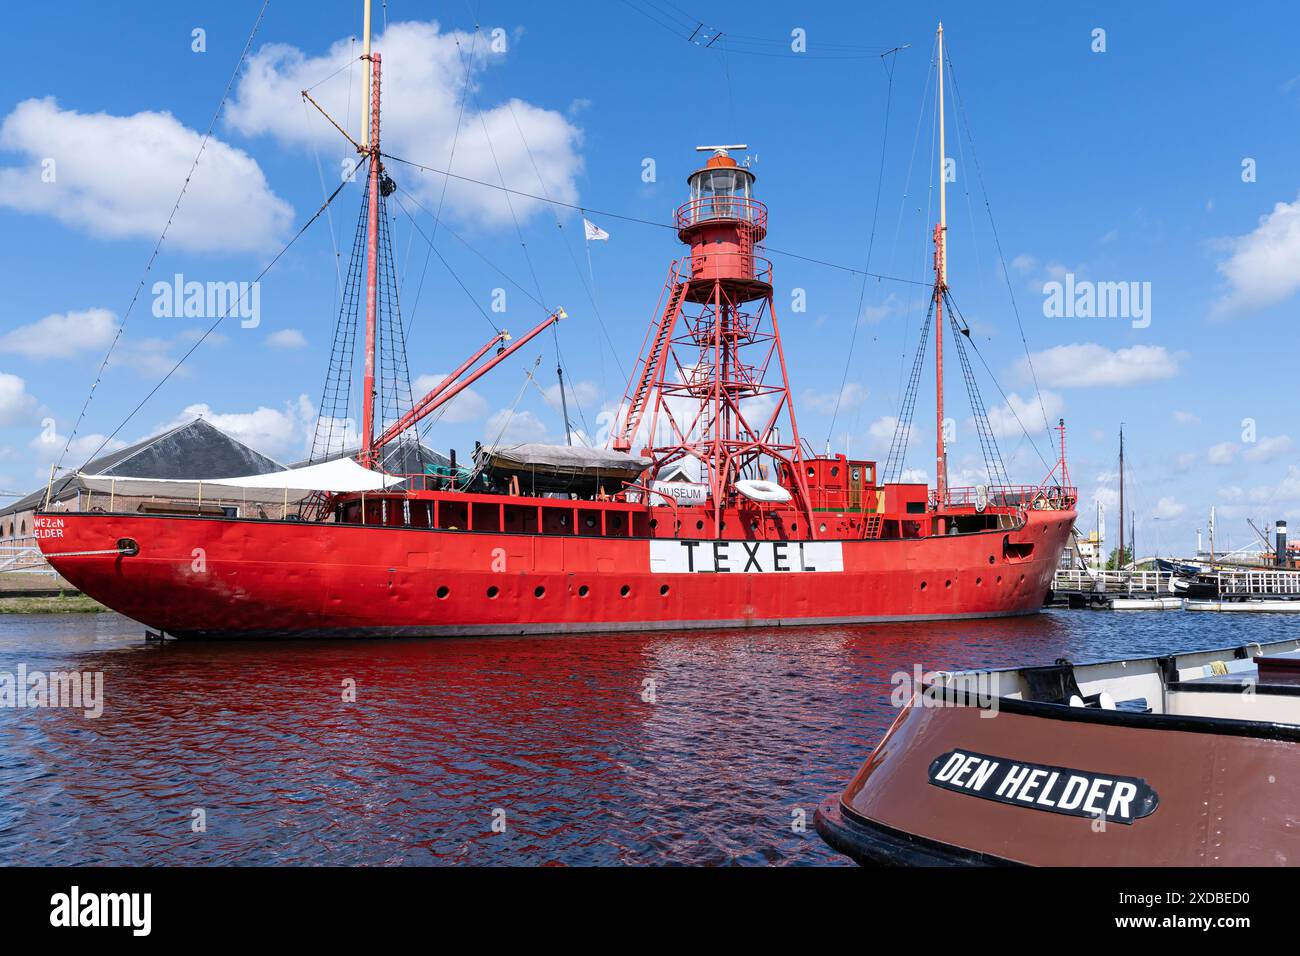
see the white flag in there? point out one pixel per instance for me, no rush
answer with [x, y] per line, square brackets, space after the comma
[592, 230]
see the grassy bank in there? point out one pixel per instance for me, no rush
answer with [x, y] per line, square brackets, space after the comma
[61, 604]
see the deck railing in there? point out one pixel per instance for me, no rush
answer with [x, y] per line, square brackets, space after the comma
[1049, 497]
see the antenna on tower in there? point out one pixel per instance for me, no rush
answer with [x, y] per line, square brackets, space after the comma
[720, 150]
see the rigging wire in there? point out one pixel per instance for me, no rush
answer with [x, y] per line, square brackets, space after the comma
[1006, 274]
[871, 243]
[452, 272]
[117, 336]
[685, 26]
[1011, 408]
[643, 221]
[451, 160]
[216, 322]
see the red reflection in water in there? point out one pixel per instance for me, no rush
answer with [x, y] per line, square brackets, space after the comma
[746, 729]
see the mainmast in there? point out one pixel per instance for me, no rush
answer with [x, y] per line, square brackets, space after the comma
[940, 287]
[369, 146]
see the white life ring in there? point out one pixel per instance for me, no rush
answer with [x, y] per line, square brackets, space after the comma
[763, 491]
[981, 498]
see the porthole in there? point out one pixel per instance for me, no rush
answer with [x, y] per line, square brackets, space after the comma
[922, 585]
[624, 591]
[990, 559]
[539, 591]
[443, 592]
[654, 522]
[823, 526]
[493, 591]
[856, 474]
[947, 584]
[999, 579]
[979, 581]
[811, 471]
[699, 526]
[835, 471]
[663, 590]
[583, 591]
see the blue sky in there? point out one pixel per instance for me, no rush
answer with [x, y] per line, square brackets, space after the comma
[1122, 165]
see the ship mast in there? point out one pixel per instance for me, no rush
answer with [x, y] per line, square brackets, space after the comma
[369, 146]
[940, 287]
[1119, 555]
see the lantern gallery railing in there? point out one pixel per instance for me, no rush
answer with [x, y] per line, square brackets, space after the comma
[732, 208]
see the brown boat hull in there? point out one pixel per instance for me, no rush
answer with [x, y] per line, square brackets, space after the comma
[1225, 791]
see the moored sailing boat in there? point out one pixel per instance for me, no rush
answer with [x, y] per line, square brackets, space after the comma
[771, 534]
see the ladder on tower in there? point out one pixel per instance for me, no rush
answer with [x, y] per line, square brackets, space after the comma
[649, 365]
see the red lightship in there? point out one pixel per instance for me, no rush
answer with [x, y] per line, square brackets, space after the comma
[723, 518]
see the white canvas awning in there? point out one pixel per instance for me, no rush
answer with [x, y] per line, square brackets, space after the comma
[293, 484]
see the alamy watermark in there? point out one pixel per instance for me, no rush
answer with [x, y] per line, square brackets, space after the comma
[208, 300]
[76, 690]
[921, 688]
[1085, 299]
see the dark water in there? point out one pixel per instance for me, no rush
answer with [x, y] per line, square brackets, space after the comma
[747, 728]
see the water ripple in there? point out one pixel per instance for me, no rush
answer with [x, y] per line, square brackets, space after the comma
[748, 730]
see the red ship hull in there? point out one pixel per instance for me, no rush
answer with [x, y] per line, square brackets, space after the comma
[231, 577]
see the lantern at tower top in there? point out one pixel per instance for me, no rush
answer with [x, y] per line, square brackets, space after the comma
[722, 222]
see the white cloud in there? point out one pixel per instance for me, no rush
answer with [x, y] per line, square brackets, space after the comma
[1222, 453]
[15, 404]
[271, 431]
[1263, 266]
[49, 446]
[1008, 418]
[522, 426]
[851, 396]
[1087, 364]
[1168, 508]
[1186, 418]
[287, 339]
[423, 79]
[877, 312]
[62, 334]
[118, 177]
[468, 406]
[1266, 449]
[581, 391]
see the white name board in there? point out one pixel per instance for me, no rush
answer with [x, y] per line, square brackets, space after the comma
[683, 492]
[744, 557]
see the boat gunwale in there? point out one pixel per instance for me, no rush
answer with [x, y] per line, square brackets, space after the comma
[283, 522]
[860, 837]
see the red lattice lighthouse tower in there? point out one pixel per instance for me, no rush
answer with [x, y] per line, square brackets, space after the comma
[711, 381]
